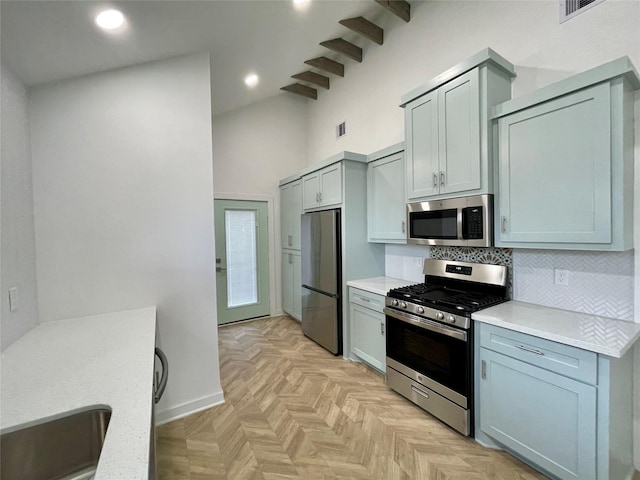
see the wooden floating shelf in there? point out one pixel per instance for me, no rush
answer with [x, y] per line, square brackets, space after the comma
[399, 7]
[365, 28]
[313, 77]
[328, 65]
[303, 90]
[345, 48]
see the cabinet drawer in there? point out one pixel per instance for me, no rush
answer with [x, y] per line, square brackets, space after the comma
[569, 361]
[366, 299]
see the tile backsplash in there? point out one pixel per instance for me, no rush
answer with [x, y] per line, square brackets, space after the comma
[599, 283]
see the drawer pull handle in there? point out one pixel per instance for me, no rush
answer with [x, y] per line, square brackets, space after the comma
[530, 350]
[364, 299]
[419, 392]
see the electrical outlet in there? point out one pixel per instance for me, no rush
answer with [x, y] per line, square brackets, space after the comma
[561, 277]
[13, 299]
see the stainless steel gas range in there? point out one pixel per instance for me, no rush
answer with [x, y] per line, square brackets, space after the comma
[429, 336]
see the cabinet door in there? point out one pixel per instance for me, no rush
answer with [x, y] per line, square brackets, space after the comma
[555, 170]
[331, 185]
[295, 210]
[459, 134]
[545, 417]
[386, 207]
[296, 265]
[421, 146]
[367, 336]
[287, 283]
[310, 190]
[285, 216]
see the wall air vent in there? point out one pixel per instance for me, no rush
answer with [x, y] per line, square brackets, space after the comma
[341, 130]
[571, 8]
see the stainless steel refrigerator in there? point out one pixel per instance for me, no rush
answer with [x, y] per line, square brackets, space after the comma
[322, 279]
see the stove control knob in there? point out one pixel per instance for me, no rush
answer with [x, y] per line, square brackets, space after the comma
[420, 310]
[451, 318]
[440, 316]
[403, 304]
[394, 303]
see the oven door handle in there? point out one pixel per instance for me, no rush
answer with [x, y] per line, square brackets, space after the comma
[426, 324]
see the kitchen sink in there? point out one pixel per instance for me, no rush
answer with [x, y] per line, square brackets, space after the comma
[66, 448]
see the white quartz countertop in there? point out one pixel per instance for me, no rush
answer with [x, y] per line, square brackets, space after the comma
[597, 334]
[379, 285]
[72, 365]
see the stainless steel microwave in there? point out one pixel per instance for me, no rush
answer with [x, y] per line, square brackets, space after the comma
[462, 221]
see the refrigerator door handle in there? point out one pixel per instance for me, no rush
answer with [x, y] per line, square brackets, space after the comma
[332, 295]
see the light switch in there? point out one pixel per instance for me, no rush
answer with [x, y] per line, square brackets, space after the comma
[13, 299]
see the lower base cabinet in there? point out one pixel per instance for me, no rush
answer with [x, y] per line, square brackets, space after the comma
[552, 405]
[291, 283]
[367, 324]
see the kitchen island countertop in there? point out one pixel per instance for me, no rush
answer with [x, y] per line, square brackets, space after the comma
[603, 335]
[70, 365]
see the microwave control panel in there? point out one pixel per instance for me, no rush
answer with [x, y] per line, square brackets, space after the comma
[472, 223]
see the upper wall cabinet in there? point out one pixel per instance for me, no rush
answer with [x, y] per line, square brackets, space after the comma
[447, 128]
[565, 163]
[322, 188]
[386, 207]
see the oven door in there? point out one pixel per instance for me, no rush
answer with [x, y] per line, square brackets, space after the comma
[431, 353]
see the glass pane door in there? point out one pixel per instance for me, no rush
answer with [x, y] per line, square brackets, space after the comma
[242, 258]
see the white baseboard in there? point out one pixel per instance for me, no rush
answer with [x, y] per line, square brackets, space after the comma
[189, 408]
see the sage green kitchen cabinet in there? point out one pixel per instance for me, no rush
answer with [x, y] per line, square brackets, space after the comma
[292, 283]
[367, 323]
[447, 128]
[322, 188]
[565, 163]
[290, 211]
[564, 410]
[386, 207]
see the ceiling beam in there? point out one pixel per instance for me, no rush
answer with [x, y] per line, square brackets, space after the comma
[303, 90]
[313, 77]
[345, 48]
[401, 8]
[365, 28]
[328, 65]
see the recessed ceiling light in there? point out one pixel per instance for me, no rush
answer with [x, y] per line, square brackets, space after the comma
[110, 19]
[251, 80]
[301, 4]
[298, 2]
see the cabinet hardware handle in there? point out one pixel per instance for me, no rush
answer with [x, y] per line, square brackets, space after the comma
[221, 269]
[290, 258]
[365, 299]
[317, 197]
[503, 224]
[320, 195]
[290, 240]
[403, 227]
[381, 328]
[484, 369]
[419, 392]
[530, 350]
[435, 180]
[442, 178]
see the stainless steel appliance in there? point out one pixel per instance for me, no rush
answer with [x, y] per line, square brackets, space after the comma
[429, 336]
[462, 221]
[322, 279]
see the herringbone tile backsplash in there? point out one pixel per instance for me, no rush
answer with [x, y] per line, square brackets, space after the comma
[600, 283]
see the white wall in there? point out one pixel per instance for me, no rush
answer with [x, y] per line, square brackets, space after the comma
[123, 188]
[18, 249]
[442, 34]
[253, 148]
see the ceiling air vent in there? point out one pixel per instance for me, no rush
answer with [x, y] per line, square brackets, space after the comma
[571, 8]
[341, 130]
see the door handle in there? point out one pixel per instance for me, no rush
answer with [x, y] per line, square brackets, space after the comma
[435, 180]
[381, 328]
[484, 369]
[442, 179]
[162, 384]
[221, 269]
[503, 224]
[403, 227]
[320, 196]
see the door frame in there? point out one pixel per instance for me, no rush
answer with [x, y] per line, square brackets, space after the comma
[274, 288]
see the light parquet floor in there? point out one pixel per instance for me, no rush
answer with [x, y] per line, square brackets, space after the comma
[294, 411]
